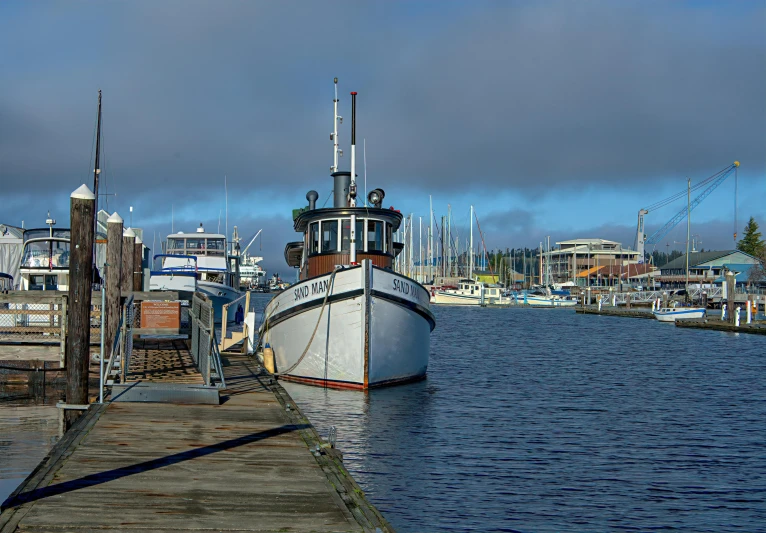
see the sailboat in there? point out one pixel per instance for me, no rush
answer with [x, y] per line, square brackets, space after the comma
[671, 314]
[350, 321]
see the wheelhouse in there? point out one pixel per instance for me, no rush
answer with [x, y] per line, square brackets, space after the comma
[327, 239]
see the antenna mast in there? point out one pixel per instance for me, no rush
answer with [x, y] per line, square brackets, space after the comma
[352, 186]
[336, 152]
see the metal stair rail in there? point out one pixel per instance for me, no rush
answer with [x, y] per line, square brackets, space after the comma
[204, 346]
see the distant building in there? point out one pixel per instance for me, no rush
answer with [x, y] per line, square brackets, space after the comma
[579, 259]
[707, 268]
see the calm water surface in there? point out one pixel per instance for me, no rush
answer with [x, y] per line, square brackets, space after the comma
[539, 420]
[544, 420]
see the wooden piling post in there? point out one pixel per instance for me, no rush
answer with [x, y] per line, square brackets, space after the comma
[730, 296]
[114, 229]
[126, 275]
[664, 299]
[138, 267]
[627, 301]
[83, 203]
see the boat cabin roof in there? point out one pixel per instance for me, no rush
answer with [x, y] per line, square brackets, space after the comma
[196, 235]
[388, 215]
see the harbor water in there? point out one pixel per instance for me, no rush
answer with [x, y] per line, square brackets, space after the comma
[538, 420]
[548, 421]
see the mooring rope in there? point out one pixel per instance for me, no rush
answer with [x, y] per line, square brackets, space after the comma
[330, 285]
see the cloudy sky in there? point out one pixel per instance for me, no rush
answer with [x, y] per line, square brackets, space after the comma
[551, 118]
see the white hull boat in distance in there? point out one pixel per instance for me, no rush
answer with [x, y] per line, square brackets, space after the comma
[671, 314]
[367, 327]
[469, 292]
[544, 301]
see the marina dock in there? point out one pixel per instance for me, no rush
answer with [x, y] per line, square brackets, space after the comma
[252, 463]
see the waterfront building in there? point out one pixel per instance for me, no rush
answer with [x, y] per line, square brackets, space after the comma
[580, 259]
[707, 268]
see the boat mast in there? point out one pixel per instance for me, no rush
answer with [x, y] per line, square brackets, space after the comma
[335, 120]
[352, 187]
[470, 261]
[97, 170]
[688, 230]
[431, 239]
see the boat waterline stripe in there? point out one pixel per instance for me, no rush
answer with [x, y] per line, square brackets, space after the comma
[412, 306]
[287, 313]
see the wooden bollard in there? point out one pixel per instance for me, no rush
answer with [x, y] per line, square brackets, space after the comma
[114, 229]
[126, 274]
[730, 296]
[83, 203]
[627, 301]
[138, 268]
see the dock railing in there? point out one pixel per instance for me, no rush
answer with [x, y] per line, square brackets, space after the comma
[40, 317]
[204, 346]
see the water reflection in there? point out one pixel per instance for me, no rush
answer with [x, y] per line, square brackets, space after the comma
[27, 432]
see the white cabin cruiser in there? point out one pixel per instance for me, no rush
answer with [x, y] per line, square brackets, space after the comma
[350, 321]
[469, 292]
[199, 262]
[671, 314]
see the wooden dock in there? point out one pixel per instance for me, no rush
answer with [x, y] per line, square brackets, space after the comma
[643, 312]
[252, 463]
[757, 328]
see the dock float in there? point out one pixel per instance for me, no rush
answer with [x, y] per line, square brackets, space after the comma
[252, 463]
[612, 311]
[758, 328]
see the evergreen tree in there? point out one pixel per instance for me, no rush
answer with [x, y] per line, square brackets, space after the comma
[751, 242]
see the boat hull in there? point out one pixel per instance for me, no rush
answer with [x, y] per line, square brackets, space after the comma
[367, 327]
[446, 298]
[671, 315]
[220, 295]
[542, 301]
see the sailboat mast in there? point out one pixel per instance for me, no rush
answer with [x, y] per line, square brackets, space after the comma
[688, 229]
[470, 262]
[431, 239]
[97, 166]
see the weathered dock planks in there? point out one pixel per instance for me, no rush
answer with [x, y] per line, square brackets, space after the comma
[244, 465]
[720, 325]
[614, 311]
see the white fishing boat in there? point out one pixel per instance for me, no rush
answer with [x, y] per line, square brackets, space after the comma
[198, 262]
[671, 314]
[45, 259]
[350, 321]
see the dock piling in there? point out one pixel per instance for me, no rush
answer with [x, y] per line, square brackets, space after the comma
[114, 229]
[730, 295]
[83, 203]
[126, 274]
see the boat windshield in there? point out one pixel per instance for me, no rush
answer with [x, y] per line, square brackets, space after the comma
[46, 254]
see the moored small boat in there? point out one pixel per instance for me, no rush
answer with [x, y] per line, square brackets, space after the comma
[671, 314]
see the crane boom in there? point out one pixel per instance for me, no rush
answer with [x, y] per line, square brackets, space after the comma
[251, 242]
[719, 178]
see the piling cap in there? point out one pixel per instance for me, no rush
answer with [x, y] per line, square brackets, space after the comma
[129, 233]
[114, 219]
[138, 239]
[83, 193]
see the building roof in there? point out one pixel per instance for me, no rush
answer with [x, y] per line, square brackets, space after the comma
[697, 258]
[579, 242]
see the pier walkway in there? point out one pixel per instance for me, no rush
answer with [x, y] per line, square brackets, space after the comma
[252, 463]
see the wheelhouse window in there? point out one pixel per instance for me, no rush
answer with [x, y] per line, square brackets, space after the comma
[195, 244]
[46, 254]
[375, 236]
[215, 247]
[329, 235]
[389, 238]
[175, 245]
[345, 238]
[314, 238]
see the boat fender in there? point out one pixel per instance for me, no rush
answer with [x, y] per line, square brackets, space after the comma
[268, 359]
